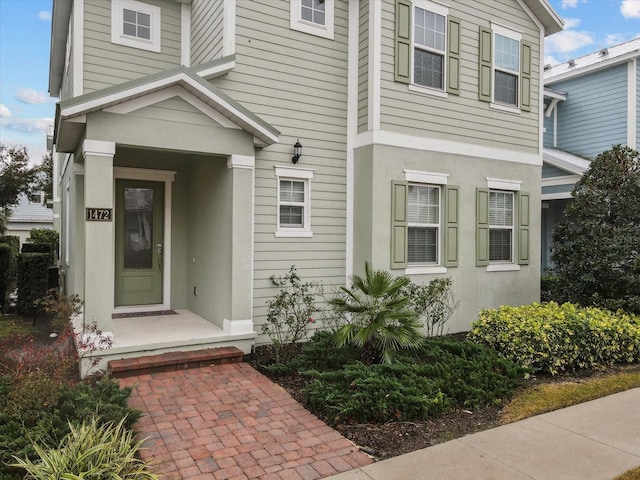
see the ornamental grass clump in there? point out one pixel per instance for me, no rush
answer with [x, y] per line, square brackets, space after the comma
[555, 338]
[91, 451]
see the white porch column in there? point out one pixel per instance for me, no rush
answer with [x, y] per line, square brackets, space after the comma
[242, 171]
[99, 234]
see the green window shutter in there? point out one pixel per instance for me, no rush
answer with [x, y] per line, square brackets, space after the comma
[453, 56]
[399, 224]
[482, 227]
[484, 65]
[523, 228]
[403, 41]
[451, 232]
[525, 77]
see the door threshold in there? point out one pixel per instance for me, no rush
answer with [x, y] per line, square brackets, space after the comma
[152, 313]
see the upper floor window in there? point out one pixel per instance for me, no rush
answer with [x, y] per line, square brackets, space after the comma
[313, 16]
[504, 69]
[427, 47]
[135, 24]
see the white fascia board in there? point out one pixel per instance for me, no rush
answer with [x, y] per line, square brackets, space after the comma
[180, 77]
[592, 68]
[229, 28]
[556, 181]
[401, 140]
[554, 94]
[217, 71]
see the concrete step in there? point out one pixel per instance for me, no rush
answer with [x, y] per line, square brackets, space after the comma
[170, 361]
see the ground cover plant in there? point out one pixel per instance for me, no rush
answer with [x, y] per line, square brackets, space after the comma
[556, 338]
[41, 394]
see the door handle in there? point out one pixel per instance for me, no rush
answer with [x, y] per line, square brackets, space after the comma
[159, 251]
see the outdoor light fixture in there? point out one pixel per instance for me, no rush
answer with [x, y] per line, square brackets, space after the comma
[297, 152]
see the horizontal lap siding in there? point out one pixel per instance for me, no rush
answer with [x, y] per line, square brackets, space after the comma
[549, 171]
[594, 117]
[177, 110]
[296, 82]
[462, 118]
[206, 30]
[363, 68]
[66, 90]
[107, 64]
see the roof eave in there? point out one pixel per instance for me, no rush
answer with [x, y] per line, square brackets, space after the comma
[59, 32]
[551, 21]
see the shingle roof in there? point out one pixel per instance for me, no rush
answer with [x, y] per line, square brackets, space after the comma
[27, 211]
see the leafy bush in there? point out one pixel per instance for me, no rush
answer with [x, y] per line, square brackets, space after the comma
[290, 313]
[595, 248]
[432, 304]
[550, 287]
[90, 450]
[48, 405]
[432, 379]
[63, 307]
[32, 280]
[554, 338]
[13, 241]
[377, 315]
[43, 236]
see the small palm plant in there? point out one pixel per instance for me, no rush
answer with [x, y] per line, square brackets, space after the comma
[378, 316]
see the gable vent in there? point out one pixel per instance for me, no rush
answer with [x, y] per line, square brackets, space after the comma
[572, 63]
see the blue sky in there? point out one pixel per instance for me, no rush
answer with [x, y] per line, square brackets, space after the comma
[26, 108]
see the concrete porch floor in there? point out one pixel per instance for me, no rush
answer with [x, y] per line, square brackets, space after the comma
[184, 331]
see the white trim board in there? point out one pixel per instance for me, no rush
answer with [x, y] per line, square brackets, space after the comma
[78, 47]
[401, 140]
[375, 64]
[185, 34]
[632, 109]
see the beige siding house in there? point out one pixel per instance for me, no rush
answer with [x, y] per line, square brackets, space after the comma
[421, 153]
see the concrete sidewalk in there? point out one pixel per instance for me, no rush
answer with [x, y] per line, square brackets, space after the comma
[594, 440]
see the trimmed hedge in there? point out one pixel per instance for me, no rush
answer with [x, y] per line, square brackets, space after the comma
[32, 279]
[6, 259]
[555, 338]
[13, 241]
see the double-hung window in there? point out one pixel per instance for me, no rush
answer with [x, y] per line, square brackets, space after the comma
[293, 206]
[504, 69]
[423, 215]
[429, 48]
[500, 226]
[135, 24]
[427, 53]
[424, 223]
[313, 16]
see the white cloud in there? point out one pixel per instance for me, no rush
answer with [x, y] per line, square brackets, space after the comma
[567, 41]
[4, 111]
[44, 15]
[26, 124]
[550, 60]
[630, 8]
[569, 4]
[31, 96]
[614, 39]
[570, 23]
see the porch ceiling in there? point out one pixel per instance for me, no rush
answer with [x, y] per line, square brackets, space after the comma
[71, 114]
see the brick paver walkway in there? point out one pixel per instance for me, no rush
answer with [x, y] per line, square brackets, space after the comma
[231, 422]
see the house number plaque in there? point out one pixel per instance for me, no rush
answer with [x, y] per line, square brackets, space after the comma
[99, 214]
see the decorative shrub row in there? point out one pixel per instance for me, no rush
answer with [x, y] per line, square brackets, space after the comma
[32, 279]
[554, 338]
[435, 378]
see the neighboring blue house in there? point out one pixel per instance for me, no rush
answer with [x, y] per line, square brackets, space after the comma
[591, 103]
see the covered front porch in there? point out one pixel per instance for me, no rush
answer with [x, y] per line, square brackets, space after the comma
[159, 215]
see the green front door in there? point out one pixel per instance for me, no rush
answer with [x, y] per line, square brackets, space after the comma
[139, 242]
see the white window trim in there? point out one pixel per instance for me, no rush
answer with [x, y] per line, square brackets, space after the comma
[439, 10]
[502, 184]
[436, 179]
[499, 265]
[297, 174]
[324, 31]
[514, 35]
[117, 34]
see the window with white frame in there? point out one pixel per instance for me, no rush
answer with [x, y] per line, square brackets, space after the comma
[501, 226]
[506, 66]
[423, 222]
[313, 16]
[135, 24]
[429, 44]
[293, 205]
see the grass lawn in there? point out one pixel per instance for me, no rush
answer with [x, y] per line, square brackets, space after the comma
[544, 398]
[630, 475]
[14, 325]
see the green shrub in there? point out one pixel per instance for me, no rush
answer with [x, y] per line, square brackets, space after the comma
[555, 338]
[550, 290]
[13, 241]
[32, 280]
[290, 313]
[432, 379]
[432, 304]
[43, 236]
[91, 450]
[6, 261]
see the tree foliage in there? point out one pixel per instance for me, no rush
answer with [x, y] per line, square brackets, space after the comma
[16, 176]
[596, 248]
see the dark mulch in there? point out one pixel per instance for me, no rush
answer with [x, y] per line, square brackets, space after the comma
[397, 438]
